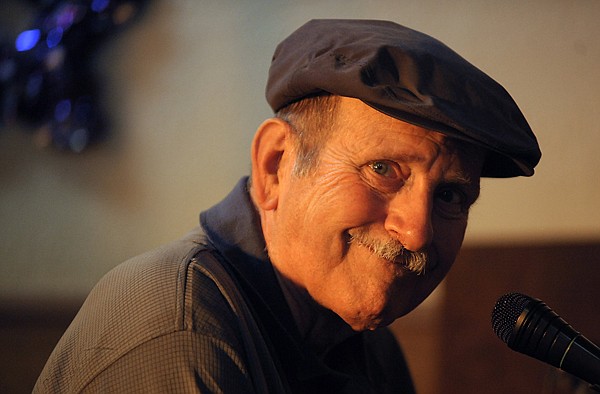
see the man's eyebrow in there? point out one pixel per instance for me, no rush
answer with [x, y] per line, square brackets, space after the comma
[460, 178]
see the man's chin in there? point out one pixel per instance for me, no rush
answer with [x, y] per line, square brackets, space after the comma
[371, 324]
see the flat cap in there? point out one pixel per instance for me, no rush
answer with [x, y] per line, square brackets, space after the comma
[407, 75]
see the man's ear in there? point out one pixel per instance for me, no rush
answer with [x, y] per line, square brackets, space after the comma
[271, 141]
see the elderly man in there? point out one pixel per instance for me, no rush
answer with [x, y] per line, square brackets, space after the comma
[355, 211]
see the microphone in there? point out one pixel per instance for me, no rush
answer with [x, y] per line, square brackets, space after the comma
[529, 326]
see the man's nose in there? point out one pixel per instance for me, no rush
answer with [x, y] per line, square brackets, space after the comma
[409, 219]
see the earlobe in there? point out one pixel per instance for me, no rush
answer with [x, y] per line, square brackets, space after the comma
[268, 148]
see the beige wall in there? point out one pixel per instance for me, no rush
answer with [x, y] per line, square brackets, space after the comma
[185, 91]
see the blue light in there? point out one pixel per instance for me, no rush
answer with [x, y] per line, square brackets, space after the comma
[54, 37]
[99, 5]
[27, 40]
[62, 110]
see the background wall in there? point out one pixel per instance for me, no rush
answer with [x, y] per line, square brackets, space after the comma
[184, 88]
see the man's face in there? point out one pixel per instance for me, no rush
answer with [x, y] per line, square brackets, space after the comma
[378, 180]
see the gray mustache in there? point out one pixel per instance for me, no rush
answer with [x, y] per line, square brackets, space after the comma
[392, 250]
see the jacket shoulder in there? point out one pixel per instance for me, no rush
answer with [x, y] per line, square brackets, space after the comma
[148, 297]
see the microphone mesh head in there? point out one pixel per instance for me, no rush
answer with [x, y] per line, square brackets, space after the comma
[507, 310]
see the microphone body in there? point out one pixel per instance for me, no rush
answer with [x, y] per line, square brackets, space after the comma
[529, 326]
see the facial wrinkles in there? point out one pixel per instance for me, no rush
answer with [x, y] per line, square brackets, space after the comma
[323, 188]
[334, 173]
[319, 190]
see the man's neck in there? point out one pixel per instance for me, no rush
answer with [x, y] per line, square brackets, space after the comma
[320, 328]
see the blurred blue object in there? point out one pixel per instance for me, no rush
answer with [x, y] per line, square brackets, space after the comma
[46, 78]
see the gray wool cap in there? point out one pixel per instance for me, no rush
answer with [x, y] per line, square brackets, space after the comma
[407, 75]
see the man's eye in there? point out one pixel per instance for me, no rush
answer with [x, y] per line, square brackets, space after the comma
[451, 196]
[384, 175]
[382, 168]
[451, 202]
